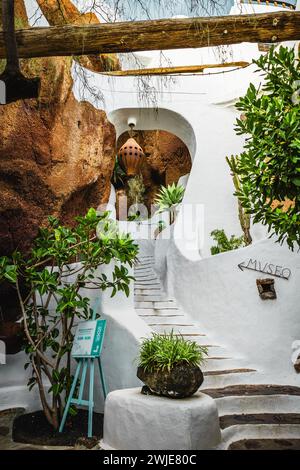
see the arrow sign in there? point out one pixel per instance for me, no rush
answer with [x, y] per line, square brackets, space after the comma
[266, 268]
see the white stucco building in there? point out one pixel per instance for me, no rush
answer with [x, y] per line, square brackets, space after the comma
[254, 337]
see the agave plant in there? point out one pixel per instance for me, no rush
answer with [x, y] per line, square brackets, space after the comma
[168, 197]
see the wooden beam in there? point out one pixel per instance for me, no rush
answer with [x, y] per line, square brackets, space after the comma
[156, 34]
[172, 70]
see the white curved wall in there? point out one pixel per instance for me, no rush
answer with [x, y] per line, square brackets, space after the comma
[226, 303]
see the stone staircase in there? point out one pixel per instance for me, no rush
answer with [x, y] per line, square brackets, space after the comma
[252, 415]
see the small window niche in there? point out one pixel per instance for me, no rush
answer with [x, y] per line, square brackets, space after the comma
[266, 288]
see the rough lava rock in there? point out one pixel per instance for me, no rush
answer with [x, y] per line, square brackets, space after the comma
[56, 155]
[181, 381]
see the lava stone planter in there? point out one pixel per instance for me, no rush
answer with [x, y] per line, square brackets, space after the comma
[181, 381]
[11, 334]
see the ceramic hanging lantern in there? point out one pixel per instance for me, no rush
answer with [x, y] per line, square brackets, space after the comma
[131, 157]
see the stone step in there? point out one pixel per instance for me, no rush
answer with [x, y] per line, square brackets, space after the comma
[220, 364]
[143, 267]
[144, 272]
[159, 313]
[221, 380]
[248, 432]
[148, 292]
[252, 390]
[148, 289]
[145, 277]
[219, 372]
[146, 284]
[259, 418]
[182, 330]
[258, 404]
[148, 298]
[144, 263]
[166, 320]
[266, 444]
[156, 305]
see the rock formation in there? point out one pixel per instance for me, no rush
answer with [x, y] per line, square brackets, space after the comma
[56, 154]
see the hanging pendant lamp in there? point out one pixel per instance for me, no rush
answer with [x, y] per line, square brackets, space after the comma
[131, 156]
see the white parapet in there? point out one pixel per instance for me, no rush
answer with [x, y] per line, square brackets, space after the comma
[133, 421]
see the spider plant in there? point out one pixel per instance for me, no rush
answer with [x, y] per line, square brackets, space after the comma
[164, 351]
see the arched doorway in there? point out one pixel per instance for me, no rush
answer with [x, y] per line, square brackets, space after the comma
[168, 142]
[167, 158]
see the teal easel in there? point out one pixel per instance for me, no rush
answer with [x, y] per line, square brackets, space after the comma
[85, 363]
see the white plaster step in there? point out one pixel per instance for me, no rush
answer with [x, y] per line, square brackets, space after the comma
[156, 314]
[144, 271]
[258, 431]
[146, 284]
[143, 267]
[165, 305]
[178, 320]
[224, 380]
[148, 298]
[184, 330]
[145, 262]
[145, 274]
[258, 404]
[148, 291]
[222, 364]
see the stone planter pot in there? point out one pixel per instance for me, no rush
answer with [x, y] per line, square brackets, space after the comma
[181, 381]
[11, 333]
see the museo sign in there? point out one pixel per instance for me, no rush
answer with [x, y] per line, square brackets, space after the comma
[266, 268]
[88, 339]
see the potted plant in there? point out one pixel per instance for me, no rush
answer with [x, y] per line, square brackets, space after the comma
[169, 365]
[57, 295]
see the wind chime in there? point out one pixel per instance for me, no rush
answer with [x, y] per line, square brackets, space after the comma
[16, 86]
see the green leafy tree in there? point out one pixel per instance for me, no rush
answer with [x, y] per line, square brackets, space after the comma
[269, 167]
[55, 297]
[224, 243]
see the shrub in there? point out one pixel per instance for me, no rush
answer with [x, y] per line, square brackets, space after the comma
[165, 351]
[224, 243]
[269, 167]
[53, 301]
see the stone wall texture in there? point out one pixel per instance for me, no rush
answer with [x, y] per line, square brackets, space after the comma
[56, 154]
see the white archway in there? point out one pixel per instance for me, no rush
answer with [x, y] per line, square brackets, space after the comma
[155, 119]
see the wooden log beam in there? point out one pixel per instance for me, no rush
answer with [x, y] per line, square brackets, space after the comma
[172, 70]
[156, 34]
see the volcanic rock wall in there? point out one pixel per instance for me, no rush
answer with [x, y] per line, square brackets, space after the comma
[56, 154]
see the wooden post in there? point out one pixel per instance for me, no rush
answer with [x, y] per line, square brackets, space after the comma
[156, 34]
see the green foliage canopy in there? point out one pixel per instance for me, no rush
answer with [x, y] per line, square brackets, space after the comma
[269, 167]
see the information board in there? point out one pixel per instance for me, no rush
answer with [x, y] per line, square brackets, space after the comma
[89, 338]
